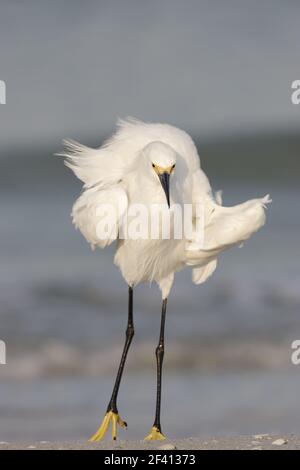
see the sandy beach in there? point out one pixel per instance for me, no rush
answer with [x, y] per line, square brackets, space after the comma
[255, 442]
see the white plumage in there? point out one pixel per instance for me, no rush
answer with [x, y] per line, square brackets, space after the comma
[120, 173]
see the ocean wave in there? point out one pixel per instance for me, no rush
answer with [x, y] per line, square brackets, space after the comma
[56, 359]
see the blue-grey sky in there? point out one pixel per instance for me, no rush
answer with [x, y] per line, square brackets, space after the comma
[210, 66]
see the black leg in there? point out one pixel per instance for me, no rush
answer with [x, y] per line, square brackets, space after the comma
[159, 352]
[112, 406]
[112, 415]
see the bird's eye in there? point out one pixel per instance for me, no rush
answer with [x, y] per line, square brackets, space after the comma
[153, 166]
[173, 166]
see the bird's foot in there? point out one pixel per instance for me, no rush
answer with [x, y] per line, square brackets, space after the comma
[155, 435]
[112, 418]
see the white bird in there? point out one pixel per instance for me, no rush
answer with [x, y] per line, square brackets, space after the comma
[154, 164]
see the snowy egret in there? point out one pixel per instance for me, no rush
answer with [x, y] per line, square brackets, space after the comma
[149, 163]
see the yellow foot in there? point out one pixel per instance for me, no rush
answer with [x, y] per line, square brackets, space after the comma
[115, 420]
[155, 435]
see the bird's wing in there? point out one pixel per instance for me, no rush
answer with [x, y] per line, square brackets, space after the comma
[108, 164]
[98, 213]
[226, 227]
[223, 227]
[229, 226]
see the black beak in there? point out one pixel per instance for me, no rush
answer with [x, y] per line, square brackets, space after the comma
[165, 182]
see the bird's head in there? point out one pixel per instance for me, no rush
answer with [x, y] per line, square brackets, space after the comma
[161, 162]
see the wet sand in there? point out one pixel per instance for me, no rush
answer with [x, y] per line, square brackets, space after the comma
[256, 442]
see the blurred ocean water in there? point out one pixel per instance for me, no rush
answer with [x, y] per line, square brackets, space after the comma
[63, 316]
[73, 67]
